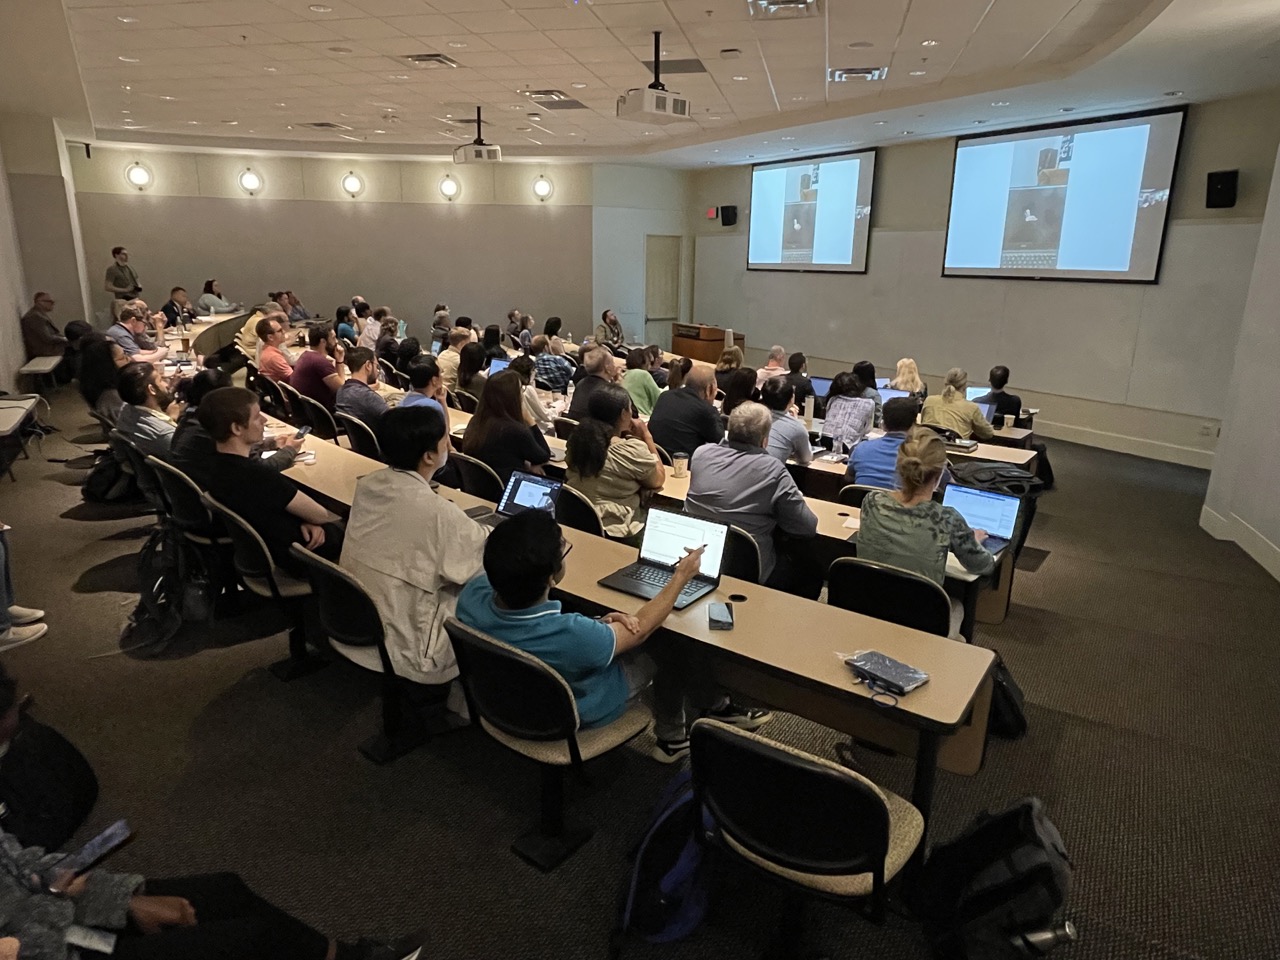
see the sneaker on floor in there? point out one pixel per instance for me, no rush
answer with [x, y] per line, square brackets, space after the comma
[744, 718]
[21, 616]
[406, 948]
[670, 751]
[17, 636]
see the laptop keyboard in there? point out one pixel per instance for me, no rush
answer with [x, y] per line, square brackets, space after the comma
[660, 578]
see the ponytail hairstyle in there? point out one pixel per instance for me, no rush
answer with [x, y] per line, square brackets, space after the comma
[921, 460]
[957, 380]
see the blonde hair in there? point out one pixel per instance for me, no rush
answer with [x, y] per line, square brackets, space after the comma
[730, 359]
[921, 460]
[957, 380]
[907, 376]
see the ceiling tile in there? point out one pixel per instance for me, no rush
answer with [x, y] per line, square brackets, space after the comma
[573, 39]
[563, 18]
[425, 25]
[214, 13]
[496, 21]
[364, 29]
[528, 40]
[302, 31]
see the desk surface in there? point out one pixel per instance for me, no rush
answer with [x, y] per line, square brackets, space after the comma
[13, 410]
[40, 365]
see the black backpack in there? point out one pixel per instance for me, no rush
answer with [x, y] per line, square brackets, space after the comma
[1008, 874]
[47, 787]
[996, 477]
[1008, 718]
[107, 482]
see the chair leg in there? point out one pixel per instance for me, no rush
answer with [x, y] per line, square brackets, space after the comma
[788, 939]
[552, 843]
[300, 662]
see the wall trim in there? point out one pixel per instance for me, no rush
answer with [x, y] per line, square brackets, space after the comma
[1245, 536]
[1138, 446]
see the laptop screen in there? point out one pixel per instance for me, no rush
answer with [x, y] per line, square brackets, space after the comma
[820, 386]
[973, 393]
[887, 395]
[995, 513]
[882, 382]
[528, 492]
[498, 364]
[666, 534]
[987, 409]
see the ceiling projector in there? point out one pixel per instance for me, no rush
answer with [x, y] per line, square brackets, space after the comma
[653, 104]
[477, 151]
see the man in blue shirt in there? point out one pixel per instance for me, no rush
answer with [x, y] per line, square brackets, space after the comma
[357, 397]
[524, 559]
[552, 370]
[428, 388]
[873, 463]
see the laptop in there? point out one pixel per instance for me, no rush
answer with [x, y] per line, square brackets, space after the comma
[996, 513]
[435, 348]
[890, 394]
[882, 382]
[524, 491]
[820, 386]
[987, 410]
[973, 393]
[666, 535]
[498, 364]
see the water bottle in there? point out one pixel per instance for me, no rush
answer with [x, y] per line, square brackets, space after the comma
[569, 336]
[808, 412]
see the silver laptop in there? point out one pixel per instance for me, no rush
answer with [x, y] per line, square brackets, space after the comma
[987, 410]
[524, 491]
[666, 535]
[498, 364]
[996, 513]
[890, 394]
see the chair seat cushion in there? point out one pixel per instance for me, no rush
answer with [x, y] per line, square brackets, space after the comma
[591, 743]
[366, 657]
[905, 829]
[289, 586]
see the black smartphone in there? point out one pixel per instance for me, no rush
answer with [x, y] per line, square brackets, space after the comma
[720, 616]
[302, 432]
[72, 865]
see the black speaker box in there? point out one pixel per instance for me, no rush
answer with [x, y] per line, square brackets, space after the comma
[729, 215]
[1220, 191]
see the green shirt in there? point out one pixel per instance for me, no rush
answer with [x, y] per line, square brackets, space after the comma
[643, 389]
[917, 538]
[122, 275]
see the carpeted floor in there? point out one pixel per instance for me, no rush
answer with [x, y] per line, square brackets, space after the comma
[1146, 650]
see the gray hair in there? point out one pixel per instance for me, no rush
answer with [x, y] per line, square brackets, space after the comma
[777, 353]
[749, 423]
[598, 360]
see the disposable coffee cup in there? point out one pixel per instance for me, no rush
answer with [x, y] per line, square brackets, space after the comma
[680, 464]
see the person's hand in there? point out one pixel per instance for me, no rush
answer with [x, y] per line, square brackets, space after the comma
[628, 622]
[339, 352]
[689, 565]
[793, 410]
[9, 948]
[151, 914]
[313, 535]
[979, 535]
[294, 442]
[640, 430]
[441, 396]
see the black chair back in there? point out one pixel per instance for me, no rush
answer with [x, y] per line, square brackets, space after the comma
[186, 508]
[944, 432]
[347, 612]
[362, 438]
[564, 427]
[389, 373]
[301, 412]
[512, 690]
[478, 478]
[451, 400]
[273, 401]
[788, 807]
[889, 593]
[466, 401]
[741, 556]
[143, 474]
[574, 510]
[852, 494]
[251, 558]
[104, 423]
[322, 423]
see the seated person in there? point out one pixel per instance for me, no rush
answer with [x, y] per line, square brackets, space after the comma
[551, 368]
[297, 312]
[907, 528]
[407, 351]
[730, 360]
[599, 370]
[611, 460]
[741, 389]
[788, 437]
[39, 334]
[412, 549]
[514, 318]
[451, 357]
[272, 363]
[874, 463]
[471, 363]
[865, 371]
[321, 368]
[500, 433]
[101, 360]
[426, 388]
[178, 310]
[849, 414]
[798, 365]
[684, 417]
[247, 339]
[775, 366]
[737, 482]
[388, 344]
[148, 416]
[345, 328]
[465, 323]
[211, 300]
[192, 448]
[131, 332]
[267, 500]
[1009, 404]
[952, 411]
[534, 408]
[677, 369]
[609, 333]
[524, 559]
[492, 343]
[907, 377]
[357, 397]
[551, 330]
[639, 382]
[657, 365]
[369, 326]
[525, 336]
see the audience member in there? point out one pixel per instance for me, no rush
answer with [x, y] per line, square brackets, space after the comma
[471, 363]
[39, 334]
[408, 351]
[426, 388]
[148, 416]
[357, 397]
[737, 482]
[500, 433]
[609, 332]
[449, 358]
[466, 324]
[741, 389]
[514, 317]
[873, 463]
[526, 331]
[534, 408]
[266, 499]
[638, 382]
[345, 328]
[551, 330]
[178, 310]
[657, 364]
[951, 411]
[611, 459]
[524, 559]
[1009, 404]
[441, 323]
[297, 312]
[907, 528]
[684, 418]
[907, 377]
[798, 367]
[387, 345]
[788, 437]
[849, 414]
[121, 281]
[550, 368]
[730, 360]
[369, 327]
[677, 369]
[600, 370]
[413, 550]
[865, 371]
[321, 369]
[192, 448]
[775, 366]
[272, 363]
[101, 359]
[130, 331]
[492, 343]
[18, 625]
[211, 300]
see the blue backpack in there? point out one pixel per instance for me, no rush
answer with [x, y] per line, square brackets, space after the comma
[667, 896]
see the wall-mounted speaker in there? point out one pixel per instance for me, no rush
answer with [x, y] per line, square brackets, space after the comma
[729, 215]
[1220, 189]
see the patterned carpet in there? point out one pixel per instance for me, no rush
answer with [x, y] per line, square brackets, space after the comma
[1146, 649]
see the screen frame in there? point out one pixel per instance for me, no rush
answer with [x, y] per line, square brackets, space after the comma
[874, 151]
[1034, 128]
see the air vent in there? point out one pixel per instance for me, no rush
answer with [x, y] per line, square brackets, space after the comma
[325, 125]
[783, 9]
[432, 61]
[843, 74]
[678, 66]
[554, 100]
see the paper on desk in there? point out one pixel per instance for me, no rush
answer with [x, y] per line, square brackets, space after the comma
[853, 523]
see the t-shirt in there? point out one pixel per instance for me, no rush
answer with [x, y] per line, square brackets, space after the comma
[122, 275]
[582, 396]
[682, 421]
[803, 388]
[643, 390]
[260, 495]
[507, 446]
[873, 463]
[347, 332]
[309, 375]
[447, 364]
[615, 490]
[917, 538]
[150, 430]
[578, 648]
[415, 399]
[124, 336]
[357, 399]
[788, 439]
[272, 364]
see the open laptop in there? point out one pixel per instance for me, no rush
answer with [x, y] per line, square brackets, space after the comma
[890, 394]
[973, 393]
[666, 535]
[498, 364]
[882, 382]
[820, 386]
[987, 410]
[996, 513]
[524, 491]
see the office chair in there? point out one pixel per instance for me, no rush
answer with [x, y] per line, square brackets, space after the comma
[741, 556]
[574, 510]
[362, 438]
[852, 494]
[889, 593]
[478, 478]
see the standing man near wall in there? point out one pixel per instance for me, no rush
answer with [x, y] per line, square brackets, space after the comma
[121, 282]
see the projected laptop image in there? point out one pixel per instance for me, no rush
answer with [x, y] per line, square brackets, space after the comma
[996, 513]
[666, 535]
[498, 364]
[524, 491]
[820, 386]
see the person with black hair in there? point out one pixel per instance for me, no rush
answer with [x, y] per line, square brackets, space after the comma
[346, 330]
[412, 549]
[500, 433]
[611, 460]
[798, 367]
[427, 388]
[1008, 404]
[873, 463]
[121, 279]
[357, 397]
[849, 414]
[321, 368]
[609, 333]
[741, 389]
[551, 330]
[177, 309]
[865, 371]
[368, 325]
[211, 300]
[408, 350]
[101, 360]
[492, 343]
[523, 561]
[472, 360]
[148, 416]
[657, 365]
[192, 447]
[788, 438]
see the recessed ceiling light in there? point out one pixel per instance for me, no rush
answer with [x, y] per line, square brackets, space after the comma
[999, 103]
[795, 99]
[764, 141]
[578, 86]
[379, 131]
[281, 104]
[231, 123]
[1066, 109]
[714, 118]
[649, 133]
[716, 150]
[128, 59]
[249, 181]
[788, 138]
[127, 19]
[125, 86]
[320, 8]
[400, 76]
[907, 133]
[917, 73]
[168, 98]
[126, 111]
[738, 77]
[707, 162]
[270, 69]
[193, 122]
[457, 44]
[515, 106]
[881, 123]
[928, 43]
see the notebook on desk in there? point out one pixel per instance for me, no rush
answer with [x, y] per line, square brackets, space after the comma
[666, 535]
[996, 513]
[524, 491]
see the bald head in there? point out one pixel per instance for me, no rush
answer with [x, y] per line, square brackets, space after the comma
[702, 381]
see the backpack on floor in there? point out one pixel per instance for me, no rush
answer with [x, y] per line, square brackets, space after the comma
[47, 787]
[667, 894]
[1006, 875]
[108, 483]
[1008, 718]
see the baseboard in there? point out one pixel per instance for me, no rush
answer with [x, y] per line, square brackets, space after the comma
[1216, 525]
[1138, 446]
[1252, 542]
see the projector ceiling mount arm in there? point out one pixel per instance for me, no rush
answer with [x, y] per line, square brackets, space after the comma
[657, 62]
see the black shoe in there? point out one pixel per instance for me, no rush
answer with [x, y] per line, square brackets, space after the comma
[670, 751]
[744, 718]
[408, 948]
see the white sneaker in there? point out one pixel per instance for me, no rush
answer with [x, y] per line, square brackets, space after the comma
[18, 636]
[21, 616]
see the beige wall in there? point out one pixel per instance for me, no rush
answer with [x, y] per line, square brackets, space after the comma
[1131, 367]
[13, 296]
